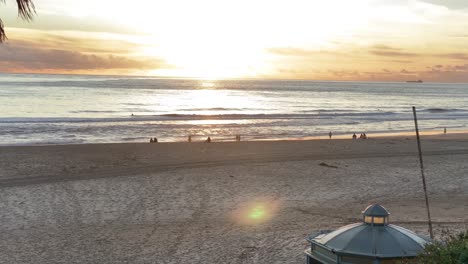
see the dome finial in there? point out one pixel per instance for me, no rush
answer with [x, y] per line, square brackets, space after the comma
[375, 214]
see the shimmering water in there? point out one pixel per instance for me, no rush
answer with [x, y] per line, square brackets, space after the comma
[50, 109]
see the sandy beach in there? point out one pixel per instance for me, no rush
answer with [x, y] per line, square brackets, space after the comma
[230, 202]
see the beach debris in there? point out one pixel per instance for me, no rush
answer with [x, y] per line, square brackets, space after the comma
[327, 165]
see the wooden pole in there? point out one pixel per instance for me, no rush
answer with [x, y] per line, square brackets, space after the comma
[422, 172]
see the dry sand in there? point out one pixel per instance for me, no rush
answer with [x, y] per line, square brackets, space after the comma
[237, 202]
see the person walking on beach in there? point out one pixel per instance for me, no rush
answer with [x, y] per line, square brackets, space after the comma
[151, 140]
[330, 135]
[445, 130]
[155, 140]
[189, 138]
[208, 140]
[354, 136]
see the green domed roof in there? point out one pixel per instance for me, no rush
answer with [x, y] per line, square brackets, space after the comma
[364, 240]
[385, 241]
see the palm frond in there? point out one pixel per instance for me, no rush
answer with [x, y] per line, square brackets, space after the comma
[2, 32]
[26, 11]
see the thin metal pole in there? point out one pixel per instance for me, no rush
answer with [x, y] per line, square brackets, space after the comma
[422, 172]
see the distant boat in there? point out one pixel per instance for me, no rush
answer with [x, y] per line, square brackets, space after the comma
[418, 81]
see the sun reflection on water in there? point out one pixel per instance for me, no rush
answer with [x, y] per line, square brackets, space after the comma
[207, 84]
[218, 121]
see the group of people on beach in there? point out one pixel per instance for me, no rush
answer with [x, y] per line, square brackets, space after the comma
[238, 137]
[189, 139]
[362, 136]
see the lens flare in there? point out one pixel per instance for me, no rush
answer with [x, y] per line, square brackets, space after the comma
[256, 212]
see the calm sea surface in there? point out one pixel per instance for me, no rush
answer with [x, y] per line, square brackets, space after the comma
[65, 109]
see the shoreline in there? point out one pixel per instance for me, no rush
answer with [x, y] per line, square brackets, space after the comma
[435, 133]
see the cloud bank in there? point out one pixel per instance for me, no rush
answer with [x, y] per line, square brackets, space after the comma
[69, 55]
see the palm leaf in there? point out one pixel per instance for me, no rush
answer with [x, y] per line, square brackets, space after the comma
[2, 32]
[26, 11]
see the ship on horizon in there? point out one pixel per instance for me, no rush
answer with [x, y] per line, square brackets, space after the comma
[417, 81]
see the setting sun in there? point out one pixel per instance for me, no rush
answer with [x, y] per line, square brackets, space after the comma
[225, 41]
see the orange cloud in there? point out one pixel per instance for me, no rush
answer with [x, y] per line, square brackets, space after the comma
[387, 51]
[351, 62]
[435, 73]
[68, 55]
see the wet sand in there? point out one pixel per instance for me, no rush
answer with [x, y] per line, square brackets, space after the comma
[231, 202]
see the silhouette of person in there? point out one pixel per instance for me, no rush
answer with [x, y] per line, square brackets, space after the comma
[189, 139]
[364, 136]
[354, 136]
[151, 140]
[155, 140]
[445, 130]
[330, 135]
[208, 140]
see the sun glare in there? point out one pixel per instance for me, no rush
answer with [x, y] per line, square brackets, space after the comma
[221, 40]
[256, 212]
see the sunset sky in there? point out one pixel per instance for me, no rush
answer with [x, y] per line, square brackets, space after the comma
[288, 39]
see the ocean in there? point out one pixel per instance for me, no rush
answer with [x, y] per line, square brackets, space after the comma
[71, 109]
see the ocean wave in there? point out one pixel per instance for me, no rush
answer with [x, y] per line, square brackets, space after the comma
[92, 111]
[217, 109]
[442, 110]
[133, 138]
[186, 117]
[331, 111]
[336, 117]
